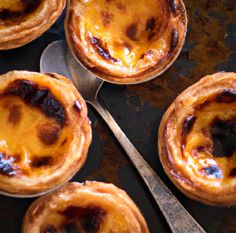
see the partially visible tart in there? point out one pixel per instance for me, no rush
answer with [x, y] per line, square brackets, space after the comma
[92, 207]
[45, 132]
[126, 41]
[22, 21]
[197, 140]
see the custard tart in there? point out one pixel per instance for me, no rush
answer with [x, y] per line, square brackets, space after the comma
[92, 207]
[45, 132]
[197, 140]
[126, 41]
[22, 21]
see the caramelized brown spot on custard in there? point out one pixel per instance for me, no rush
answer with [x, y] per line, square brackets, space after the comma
[227, 96]
[106, 18]
[174, 39]
[8, 14]
[14, 114]
[102, 50]
[22, 88]
[173, 7]
[201, 148]
[145, 54]
[195, 151]
[64, 141]
[202, 105]
[150, 27]
[30, 3]
[121, 6]
[131, 31]
[39, 97]
[212, 171]
[7, 167]
[41, 161]
[17, 158]
[88, 218]
[71, 228]
[52, 108]
[28, 7]
[233, 172]
[223, 134]
[187, 127]
[48, 134]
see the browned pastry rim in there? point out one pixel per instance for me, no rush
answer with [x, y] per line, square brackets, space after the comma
[89, 207]
[197, 138]
[160, 37]
[45, 132]
[22, 21]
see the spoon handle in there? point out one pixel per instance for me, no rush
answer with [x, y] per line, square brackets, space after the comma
[178, 218]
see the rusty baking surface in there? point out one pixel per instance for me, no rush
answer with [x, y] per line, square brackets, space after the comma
[210, 47]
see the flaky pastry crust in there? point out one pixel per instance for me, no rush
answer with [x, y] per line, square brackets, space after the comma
[22, 21]
[197, 139]
[126, 42]
[90, 207]
[45, 132]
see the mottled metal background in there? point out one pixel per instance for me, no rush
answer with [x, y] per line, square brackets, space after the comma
[210, 47]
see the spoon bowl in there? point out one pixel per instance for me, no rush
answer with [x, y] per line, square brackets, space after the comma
[53, 59]
[87, 83]
[65, 64]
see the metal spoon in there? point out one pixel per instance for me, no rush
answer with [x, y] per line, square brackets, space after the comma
[57, 58]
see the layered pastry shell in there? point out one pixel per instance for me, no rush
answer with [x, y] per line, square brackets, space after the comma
[22, 21]
[197, 138]
[126, 42]
[90, 207]
[45, 132]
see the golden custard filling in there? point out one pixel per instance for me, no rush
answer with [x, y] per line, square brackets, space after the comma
[126, 38]
[91, 216]
[209, 139]
[92, 207]
[33, 134]
[30, 142]
[129, 29]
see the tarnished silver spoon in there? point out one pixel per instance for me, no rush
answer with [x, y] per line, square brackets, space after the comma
[58, 59]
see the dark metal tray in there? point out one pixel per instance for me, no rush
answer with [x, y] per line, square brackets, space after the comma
[210, 46]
